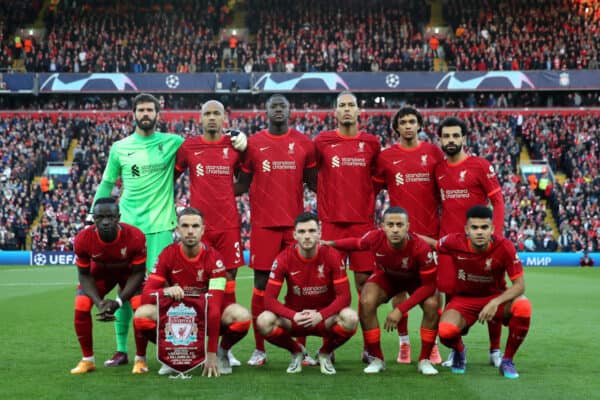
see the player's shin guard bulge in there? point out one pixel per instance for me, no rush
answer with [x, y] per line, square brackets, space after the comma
[234, 332]
[257, 306]
[83, 324]
[145, 329]
[518, 326]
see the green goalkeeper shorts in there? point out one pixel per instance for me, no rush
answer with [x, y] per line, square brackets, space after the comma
[155, 243]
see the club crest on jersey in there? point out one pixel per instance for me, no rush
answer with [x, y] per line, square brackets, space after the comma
[225, 153]
[321, 270]
[404, 263]
[491, 173]
[361, 146]
[335, 162]
[160, 147]
[488, 264]
[432, 257]
[180, 328]
[274, 266]
[200, 275]
[124, 252]
[291, 148]
[296, 290]
[424, 160]
[461, 177]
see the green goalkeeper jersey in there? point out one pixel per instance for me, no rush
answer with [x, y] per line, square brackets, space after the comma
[146, 166]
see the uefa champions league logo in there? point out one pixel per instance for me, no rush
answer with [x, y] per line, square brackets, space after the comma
[39, 259]
[172, 81]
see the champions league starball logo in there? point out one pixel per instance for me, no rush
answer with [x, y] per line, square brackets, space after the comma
[172, 81]
[39, 259]
[392, 80]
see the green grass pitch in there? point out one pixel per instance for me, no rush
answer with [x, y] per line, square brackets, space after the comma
[559, 359]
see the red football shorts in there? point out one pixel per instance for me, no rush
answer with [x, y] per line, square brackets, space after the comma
[393, 286]
[470, 307]
[266, 244]
[360, 261]
[106, 279]
[229, 244]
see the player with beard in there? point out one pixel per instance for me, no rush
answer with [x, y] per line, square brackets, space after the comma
[345, 193]
[145, 163]
[465, 181]
[212, 162]
[277, 162]
[406, 170]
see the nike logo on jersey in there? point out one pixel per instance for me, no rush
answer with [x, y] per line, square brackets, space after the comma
[264, 148]
[294, 273]
[96, 255]
[463, 258]
[198, 152]
[335, 144]
[131, 153]
[379, 255]
[441, 176]
[397, 162]
[176, 271]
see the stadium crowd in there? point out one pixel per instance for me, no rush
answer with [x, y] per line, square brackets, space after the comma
[27, 144]
[522, 35]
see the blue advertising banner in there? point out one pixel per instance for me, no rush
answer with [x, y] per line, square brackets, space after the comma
[319, 82]
[68, 258]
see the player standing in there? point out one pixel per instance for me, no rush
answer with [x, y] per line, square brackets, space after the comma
[212, 162]
[405, 263]
[465, 181]
[145, 162]
[406, 170]
[277, 162]
[192, 267]
[108, 253]
[345, 194]
[480, 262]
[317, 300]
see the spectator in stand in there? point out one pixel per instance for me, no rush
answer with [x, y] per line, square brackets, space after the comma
[586, 260]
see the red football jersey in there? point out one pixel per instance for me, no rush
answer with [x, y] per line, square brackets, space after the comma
[211, 166]
[414, 259]
[408, 175]
[463, 185]
[481, 274]
[345, 183]
[277, 164]
[129, 248]
[318, 283]
[192, 274]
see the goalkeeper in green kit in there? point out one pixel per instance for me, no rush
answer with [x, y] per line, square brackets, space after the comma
[145, 162]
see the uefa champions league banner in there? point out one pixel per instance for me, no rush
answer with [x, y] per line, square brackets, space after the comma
[41, 258]
[181, 332]
[319, 82]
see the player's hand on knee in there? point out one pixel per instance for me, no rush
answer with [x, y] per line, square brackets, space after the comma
[392, 319]
[239, 140]
[488, 312]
